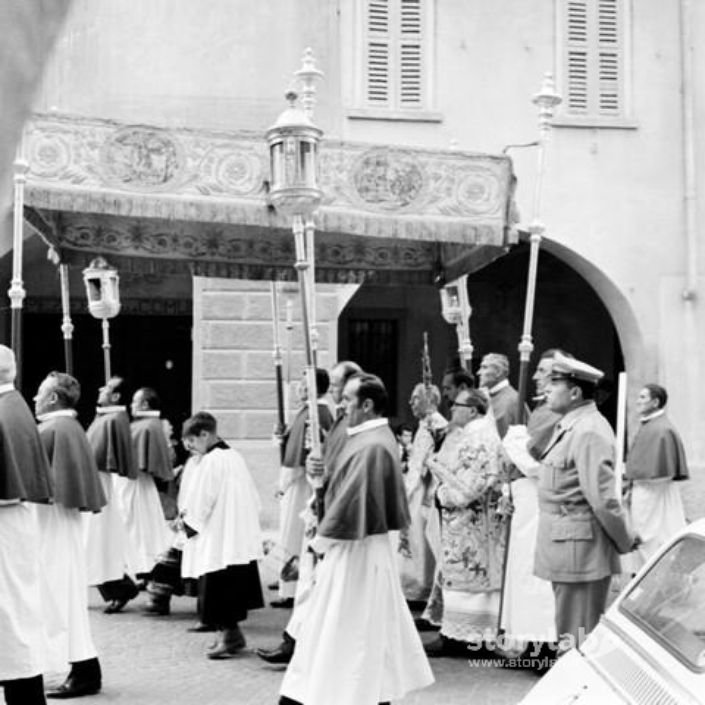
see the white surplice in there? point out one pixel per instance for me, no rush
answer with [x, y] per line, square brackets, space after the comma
[357, 616]
[108, 542]
[65, 593]
[21, 632]
[222, 505]
[417, 556]
[147, 528]
[656, 512]
[528, 612]
[297, 493]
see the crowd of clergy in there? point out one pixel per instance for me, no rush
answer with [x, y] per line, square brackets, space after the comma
[499, 524]
[98, 508]
[517, 523]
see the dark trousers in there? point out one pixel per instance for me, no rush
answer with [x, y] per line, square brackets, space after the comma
[25, 691]
[122, 589]
[225, 596]
[579, 607]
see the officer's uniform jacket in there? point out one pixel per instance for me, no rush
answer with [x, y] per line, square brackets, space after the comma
[582, 526]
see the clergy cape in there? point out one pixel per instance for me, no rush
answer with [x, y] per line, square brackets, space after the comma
[657, 452]
[110, 438]
[365, 495]
[505, 406]
[335, 440]
[151, 448]
[74, 472]
[24, 469]
[295, 450]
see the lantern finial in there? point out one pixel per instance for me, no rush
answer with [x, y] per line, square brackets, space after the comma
[308, 75]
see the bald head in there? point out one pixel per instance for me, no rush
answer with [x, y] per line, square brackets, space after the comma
[493, 369]
[8, 365]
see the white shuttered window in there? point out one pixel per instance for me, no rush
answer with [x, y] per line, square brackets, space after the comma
[594, 58]
[395, 54]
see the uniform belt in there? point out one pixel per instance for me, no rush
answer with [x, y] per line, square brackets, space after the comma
[566, 510]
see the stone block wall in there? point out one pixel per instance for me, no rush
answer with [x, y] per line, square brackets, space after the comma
[233, 363]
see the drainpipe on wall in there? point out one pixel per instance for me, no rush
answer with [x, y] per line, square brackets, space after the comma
[689, 171]
[691, 348]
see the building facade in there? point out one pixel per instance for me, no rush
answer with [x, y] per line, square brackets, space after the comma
[137, 96]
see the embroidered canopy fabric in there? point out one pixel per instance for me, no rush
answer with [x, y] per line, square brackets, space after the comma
[201, 196]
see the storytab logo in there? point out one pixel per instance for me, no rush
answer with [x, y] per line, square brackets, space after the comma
[510, 647]
[530, 663]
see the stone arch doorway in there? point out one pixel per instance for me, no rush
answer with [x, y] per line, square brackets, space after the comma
[382, 326]
[569, 312]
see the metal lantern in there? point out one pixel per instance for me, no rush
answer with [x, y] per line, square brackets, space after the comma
[102, 289]
[103, 292]
[456, 310]
[545, 100]
[293, 152]
[293, 191]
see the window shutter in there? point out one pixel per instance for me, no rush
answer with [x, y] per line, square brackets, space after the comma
[593, 57]
[609, 63]
[410, 46]
[577, 57]
[378, 54]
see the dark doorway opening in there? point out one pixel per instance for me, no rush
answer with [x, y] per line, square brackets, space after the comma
[568, 314]
[149, 351]
[374, 344]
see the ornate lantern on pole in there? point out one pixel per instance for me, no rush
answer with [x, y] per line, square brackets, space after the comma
[17, 292]
[456, 310]
[103, 292]
[293, 150]
[546, 100]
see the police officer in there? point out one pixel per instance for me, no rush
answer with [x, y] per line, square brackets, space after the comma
[582, 526]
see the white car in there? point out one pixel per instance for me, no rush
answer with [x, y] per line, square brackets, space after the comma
[649, 648]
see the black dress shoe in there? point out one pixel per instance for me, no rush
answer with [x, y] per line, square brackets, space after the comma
[286, 603]
[231, 641]
[157, 609]
[282, 654]
[74, 688]
[199, 628]
[443, 646]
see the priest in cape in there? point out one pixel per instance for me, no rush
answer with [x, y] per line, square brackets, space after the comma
[109, 547]
[146, 523]
[358, 644]
[77, 492]
[24, 479]
[294, 489]
[655, 462]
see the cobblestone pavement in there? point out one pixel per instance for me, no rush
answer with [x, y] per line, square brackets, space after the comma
[153, 660]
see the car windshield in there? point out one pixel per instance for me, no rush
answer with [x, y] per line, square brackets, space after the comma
[669, 601]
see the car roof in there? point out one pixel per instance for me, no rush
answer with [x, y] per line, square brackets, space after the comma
[696, 527]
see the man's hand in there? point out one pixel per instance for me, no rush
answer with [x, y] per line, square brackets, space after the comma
[314, 468]
[279, 433]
